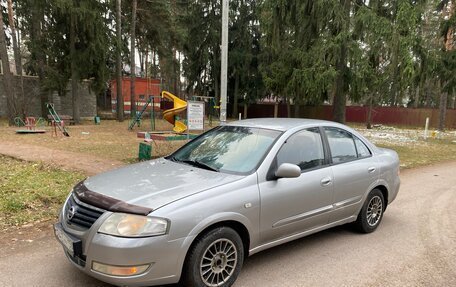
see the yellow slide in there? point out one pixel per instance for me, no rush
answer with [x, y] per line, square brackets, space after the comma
[179, 106]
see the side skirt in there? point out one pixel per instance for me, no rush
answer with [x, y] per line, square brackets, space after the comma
[300, 235]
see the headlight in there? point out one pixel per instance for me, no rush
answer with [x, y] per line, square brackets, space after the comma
[129, 225]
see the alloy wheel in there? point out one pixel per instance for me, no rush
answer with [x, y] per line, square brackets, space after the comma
[218, 262]
[374, 210]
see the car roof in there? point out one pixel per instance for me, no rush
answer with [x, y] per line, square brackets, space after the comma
[280, 124]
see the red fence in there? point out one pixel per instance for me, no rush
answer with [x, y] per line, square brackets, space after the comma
[380, 115]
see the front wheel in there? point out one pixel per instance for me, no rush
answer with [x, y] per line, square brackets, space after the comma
[371, 214]
[215, 260]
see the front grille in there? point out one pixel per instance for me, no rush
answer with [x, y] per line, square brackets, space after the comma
[81, 214]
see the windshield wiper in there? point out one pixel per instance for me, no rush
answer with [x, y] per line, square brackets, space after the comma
[199, 164]
[172, 158]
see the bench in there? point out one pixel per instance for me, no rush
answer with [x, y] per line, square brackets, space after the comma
[65, 118]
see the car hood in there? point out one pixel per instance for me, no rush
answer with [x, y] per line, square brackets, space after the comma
[156, 183]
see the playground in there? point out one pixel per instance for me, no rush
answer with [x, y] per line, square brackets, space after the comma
[164, 131]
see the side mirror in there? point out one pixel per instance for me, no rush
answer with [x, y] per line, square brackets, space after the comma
[288, 170]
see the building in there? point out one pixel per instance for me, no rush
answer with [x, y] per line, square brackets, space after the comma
[144, 88]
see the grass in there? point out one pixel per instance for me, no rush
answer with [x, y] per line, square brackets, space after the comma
[31, 192]
[425, 153]
[409, 143]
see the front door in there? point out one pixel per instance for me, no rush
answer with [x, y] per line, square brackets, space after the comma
[293, 205]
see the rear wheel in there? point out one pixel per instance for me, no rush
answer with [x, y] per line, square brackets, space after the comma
[371, 214]
[215, 260]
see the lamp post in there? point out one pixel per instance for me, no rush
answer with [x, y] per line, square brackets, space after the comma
[224, 72]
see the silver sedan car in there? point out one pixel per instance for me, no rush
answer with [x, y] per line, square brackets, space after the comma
[194, 216]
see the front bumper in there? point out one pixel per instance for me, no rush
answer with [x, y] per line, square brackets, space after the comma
[165, 257]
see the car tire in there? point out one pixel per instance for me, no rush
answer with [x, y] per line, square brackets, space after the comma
[371, 213]
[215, 259]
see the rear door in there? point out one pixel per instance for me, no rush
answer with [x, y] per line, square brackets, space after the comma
[354, 171]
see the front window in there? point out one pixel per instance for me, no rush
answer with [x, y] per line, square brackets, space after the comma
[228, 149]
[304, 148]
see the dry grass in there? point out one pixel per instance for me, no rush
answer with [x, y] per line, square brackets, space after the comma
[111, 139]
[413, 149]
[424, 153]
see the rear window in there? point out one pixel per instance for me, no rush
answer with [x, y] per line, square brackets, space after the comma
[341, 144]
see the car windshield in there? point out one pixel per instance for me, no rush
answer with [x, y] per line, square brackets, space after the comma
[228, 148]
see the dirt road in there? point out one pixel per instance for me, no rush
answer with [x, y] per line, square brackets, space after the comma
[414, 246]
[88, 164]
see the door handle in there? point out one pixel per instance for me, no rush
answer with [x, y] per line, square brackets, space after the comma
[326, 181]
[371, 169]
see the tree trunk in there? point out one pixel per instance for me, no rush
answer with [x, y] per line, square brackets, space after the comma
[296, 108]
[217, 75]
[17, 55]
[395, 59]
[276, 110]
[453, 102]
[428, 93]
[132, 61]
[442, 110]
[340, 97]
[17, 59]
[120, 99]
[142, 56]
[37, 15]
[395, 80]
[74, 71]
[288, 108]
[176, 73]
[417, 97]
[178, 76]
[245, 110]
[369, 112]
[25, 101]
[236, 96]
[448, 44]
[217, 90]
[8, 79]
[154, 73]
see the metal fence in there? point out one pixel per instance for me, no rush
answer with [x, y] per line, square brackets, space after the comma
[358, 114]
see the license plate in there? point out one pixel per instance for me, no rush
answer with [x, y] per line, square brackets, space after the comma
[64, 239]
